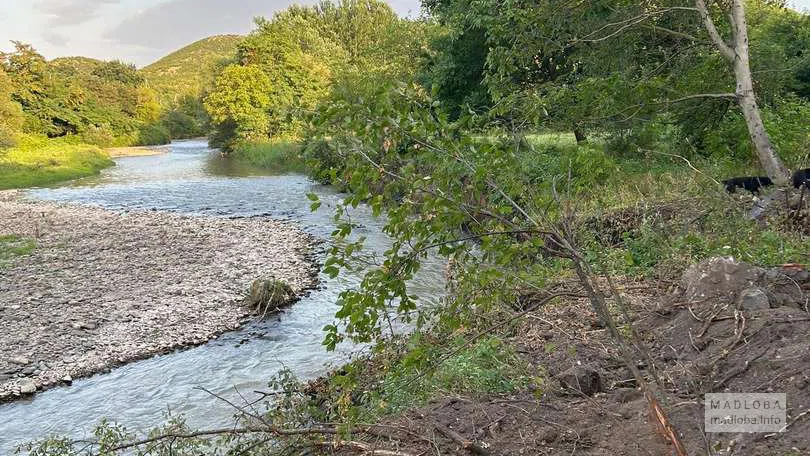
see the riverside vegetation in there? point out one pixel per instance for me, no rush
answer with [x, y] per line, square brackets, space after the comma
[566, 160]
[56, 116]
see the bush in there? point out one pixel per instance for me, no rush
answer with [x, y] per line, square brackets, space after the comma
[8, 138]
[101, 136]
[280, 156]
[325, 162]
[153, 135]
[181, 125]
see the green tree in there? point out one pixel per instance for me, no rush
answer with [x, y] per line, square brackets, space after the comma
[11, 115]
[117, 71]
[241, 96]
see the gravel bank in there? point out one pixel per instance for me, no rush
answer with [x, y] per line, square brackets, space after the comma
[105, 288]
[137, 151]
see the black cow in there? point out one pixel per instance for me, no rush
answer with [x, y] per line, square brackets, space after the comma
[801, 177]
[751, 183]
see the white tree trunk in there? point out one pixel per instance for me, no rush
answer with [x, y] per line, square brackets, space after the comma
[737, 54]
[747, 99]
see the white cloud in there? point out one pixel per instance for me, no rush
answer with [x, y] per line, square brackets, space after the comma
[64, 13]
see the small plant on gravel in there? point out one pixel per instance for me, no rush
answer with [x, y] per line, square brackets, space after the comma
[14, 246]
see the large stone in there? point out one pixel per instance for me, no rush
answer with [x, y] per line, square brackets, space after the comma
[269, 296]
[583, 379]
[19, 360]
[753, 299]
[718, 278]
[28, 387]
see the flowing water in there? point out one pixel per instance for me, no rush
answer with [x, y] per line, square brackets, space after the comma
[193, 179]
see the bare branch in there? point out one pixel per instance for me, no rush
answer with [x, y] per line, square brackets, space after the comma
[627, 23]
[668, 31]
[703, 95]
[724, 48]
[478, 236]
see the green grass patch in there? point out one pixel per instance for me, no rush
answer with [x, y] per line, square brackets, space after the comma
[281, 156]
[14, 246]
[488, 366]
[408, 376]
[36, 162]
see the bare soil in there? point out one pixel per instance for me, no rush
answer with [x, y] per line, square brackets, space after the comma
[698, 345]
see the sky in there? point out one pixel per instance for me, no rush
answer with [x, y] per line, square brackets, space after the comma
[135, 31]
[142, 31]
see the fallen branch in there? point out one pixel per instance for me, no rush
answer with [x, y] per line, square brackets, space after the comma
[469, 445]
[363, 447]
[794, 420]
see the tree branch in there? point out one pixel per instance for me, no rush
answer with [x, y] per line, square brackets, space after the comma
[629, 23]
[668, 31]
[703, 95]
[725, 50]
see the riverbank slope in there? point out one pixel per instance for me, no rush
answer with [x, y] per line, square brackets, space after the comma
[36, 162]
[104, 288]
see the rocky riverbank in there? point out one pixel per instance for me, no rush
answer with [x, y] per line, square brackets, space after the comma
[104, 288]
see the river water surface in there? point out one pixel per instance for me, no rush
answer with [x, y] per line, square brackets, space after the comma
[193, 179]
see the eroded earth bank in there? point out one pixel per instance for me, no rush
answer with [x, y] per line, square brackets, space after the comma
[103, 288]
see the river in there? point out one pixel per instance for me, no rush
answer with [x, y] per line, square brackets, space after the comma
[193, 179]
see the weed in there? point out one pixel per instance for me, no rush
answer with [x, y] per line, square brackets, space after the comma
[14, 246]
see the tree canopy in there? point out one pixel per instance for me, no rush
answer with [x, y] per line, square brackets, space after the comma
[305, 52]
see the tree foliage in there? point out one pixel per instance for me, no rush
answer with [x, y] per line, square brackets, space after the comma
[617, 68]
[305, 52]
[242, 96]
[104, 103]
[11, 115]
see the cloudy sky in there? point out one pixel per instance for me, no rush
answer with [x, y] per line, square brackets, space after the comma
[137, 31]
[140, 31]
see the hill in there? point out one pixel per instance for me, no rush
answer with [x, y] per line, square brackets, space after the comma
[187, 70]
[75, 65]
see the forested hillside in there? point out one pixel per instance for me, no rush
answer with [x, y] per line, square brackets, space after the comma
[183, 77]
[189, 70]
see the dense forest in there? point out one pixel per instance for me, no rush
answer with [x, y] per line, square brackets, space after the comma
[550, 152]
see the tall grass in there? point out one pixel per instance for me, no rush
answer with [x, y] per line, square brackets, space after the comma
[670, 205]
[38, 162]
[280, 156]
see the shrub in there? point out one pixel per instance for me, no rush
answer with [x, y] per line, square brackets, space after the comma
[8, 138]
[280, 156]
[154, 134]
[101, 136]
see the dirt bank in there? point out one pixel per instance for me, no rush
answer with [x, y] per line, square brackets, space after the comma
[727, 327]
[105, 288]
